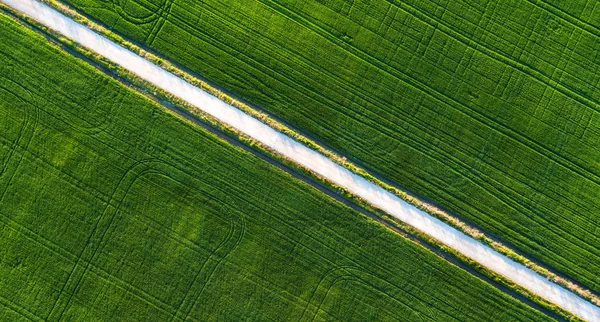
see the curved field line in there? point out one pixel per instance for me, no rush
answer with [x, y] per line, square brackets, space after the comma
[26, 133]
[238, 226]
[90, 128]
[34, 99]
[310, 159]
[351, 273]
[24, 123]
[129, 178]
[162, 15]
[118, 7]
[95, 245]
[157, 18]
[351, 278]
[72, 258]
[100, 272]
[97, 238]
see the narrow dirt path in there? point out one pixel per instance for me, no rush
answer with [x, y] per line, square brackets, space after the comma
[310, 159]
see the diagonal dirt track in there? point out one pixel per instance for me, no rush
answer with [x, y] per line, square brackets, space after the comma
[310, 159]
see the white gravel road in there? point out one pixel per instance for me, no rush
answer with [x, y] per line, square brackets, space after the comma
[309, 158]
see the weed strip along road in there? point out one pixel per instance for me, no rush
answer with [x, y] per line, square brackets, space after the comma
[310, 159]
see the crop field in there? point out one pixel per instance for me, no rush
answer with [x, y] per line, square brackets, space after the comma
[487, 108]
[112, 208]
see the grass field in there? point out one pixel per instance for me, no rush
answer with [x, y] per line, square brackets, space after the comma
[112, 208]
[487, 108]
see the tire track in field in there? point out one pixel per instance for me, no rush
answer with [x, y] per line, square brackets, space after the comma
[82, 125]
[19, 310]
[501, 58]
[156, 18]
[322, 245]
[578, 57]
[39, 102]
[100, 272]
[34, 100]
[498, 56]
[118, 7]
[163, 14]
[93, 241]
[72, 258]
[97, 238]
[106, 276]
[208, 269]
[26, 132]
[25, 136]
[559, 12]
[350, 273]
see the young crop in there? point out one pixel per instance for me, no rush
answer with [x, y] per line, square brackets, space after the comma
[487, 108]
[113, 208]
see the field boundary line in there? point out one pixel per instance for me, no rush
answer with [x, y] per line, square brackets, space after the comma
[329, 167]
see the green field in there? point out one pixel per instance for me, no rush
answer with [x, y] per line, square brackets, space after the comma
[112, 208]
[486, 108]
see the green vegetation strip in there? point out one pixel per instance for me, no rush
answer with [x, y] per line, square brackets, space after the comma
[489, 108]
[112, 208]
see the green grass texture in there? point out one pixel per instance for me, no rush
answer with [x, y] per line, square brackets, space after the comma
[112, 208]
[486, 108]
